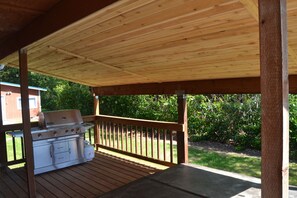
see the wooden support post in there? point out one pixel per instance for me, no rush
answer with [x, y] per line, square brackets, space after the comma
[182, 136]
[26, 122]
[96, 128]
[3, 151]
[274, 90]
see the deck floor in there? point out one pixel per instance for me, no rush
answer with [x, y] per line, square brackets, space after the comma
[92, 179]
[191, 181]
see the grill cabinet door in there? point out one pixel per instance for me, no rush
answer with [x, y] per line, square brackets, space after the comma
[42, 155]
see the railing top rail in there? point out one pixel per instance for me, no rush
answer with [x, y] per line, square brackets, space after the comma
[89, 118]
[19, 126]
[122, 120]
[141, 122]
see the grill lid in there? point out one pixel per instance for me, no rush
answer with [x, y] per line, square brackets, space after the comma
[60, 118]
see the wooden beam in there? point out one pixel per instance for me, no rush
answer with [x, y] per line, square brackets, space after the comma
[12, 7]
[274, 90]
[182, 136]
[96, 127]
[26, 122]
[3, 151]
[61, 15]
[95, 62]
[219, 86]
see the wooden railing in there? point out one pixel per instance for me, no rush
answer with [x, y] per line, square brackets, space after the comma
[153, 141]
[15, 150]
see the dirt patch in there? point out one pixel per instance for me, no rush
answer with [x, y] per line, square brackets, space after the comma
[224, 148]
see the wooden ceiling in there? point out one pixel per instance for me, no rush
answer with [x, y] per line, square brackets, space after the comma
[154, 41]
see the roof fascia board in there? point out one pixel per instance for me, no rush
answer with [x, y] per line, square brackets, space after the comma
[17, 85]
[250, 85]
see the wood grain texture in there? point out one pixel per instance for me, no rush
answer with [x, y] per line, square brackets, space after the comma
[153, 41]
[156, 41]
[220, 86]
[182, 136]
[26, 122]
[91, 179]
[56, 17]
[274, 92]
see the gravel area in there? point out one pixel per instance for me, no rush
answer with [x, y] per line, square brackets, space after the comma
[224, 148]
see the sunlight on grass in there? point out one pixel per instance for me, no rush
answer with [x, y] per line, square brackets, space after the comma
[140, 149]
[9, 147]
[249, 166]
[133, 159]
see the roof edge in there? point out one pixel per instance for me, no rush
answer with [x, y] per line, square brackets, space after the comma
[17, 85]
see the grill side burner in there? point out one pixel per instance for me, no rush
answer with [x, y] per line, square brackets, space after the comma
[58, 142]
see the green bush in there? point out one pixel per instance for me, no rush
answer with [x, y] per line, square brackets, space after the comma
[233, 119]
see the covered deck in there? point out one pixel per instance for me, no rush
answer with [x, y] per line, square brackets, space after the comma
[127, 47]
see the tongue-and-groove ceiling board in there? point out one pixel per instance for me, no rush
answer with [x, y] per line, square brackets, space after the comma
[143, 41]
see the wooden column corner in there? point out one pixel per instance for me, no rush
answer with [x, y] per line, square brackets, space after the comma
[182, 136]
[274, 91]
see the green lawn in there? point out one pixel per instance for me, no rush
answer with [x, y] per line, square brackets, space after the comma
[229, 162]
[9, 147]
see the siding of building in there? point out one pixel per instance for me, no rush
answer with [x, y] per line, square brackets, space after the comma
[11, 107]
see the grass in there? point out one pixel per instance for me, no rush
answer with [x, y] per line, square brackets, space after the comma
[9, 147]
[249, 166]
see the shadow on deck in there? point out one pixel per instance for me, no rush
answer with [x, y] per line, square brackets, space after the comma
[92, 179]
[109, 176]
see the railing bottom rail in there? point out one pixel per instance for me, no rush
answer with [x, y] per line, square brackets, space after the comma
[136, 156]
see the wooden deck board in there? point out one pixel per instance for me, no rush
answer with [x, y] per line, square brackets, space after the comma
[105, 173]
[5, 190]
[40, 188]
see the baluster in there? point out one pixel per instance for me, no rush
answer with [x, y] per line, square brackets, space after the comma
[158, 144]
[113, 134]
[90, 136]
[164, 143]
[152, 140]
[131, 138]
[122, 141]
[141, 134]
[102, 132]
[146, 142]
[171, 147]
[118, 135]
[106, 137]
[14, 148]
[99, 132]
[109, 133]
[136, 144]
[22, 148]
[126, 129]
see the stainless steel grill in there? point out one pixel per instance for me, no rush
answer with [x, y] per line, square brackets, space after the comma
[59, 123]
[58, 141]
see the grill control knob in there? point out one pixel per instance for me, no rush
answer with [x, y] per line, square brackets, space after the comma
[72, 130]
[55, 133]
[39, 135]
[66, 131]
